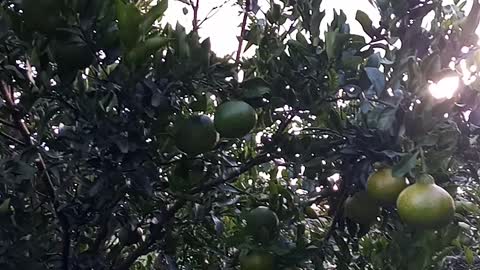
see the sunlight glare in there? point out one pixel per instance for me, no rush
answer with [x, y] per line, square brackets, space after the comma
[444, 88]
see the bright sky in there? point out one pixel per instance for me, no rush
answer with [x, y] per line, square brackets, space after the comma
[223, 28]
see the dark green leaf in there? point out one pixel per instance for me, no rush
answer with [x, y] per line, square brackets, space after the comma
[406, 164]
[153, 14]
[366, 23]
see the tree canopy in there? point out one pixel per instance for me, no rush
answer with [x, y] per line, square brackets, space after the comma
[126, 143]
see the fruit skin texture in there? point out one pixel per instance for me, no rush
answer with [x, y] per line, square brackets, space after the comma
[257, 261]
[425, 206]
[361, 209]
[262, 224]
[235, 119]
[383, 187]
[196, 135]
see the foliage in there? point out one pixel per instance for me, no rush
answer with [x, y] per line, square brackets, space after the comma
[93, 97]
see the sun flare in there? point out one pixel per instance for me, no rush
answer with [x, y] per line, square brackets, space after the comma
[444, 88]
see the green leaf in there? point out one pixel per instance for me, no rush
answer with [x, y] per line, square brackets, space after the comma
[153, 14]
[316, 20]
[334, 44]
[5, 206]
[255, 88]
[469, 255]
[366, 23]
[377, 78]
[129, 20]
[374, 61]
[273, 15]
[406, 164]
[139, 54]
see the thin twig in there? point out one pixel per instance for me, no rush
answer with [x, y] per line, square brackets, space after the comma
[145, 246]
[242, 32]
[5, 135]
[195, 16]
[212, 12]
[260, 159]
[8, 124]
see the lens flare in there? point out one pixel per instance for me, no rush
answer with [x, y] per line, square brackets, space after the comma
[444, 88]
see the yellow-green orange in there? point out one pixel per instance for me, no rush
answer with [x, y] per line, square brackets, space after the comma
[262, 224]
[361, 209]
[425, 205]
[235, 119]
[257, 261]
[196, 135]
[383, 187]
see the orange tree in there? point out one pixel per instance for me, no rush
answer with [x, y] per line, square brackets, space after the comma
[111, 159]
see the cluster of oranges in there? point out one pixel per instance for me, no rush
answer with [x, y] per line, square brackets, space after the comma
[422, 205]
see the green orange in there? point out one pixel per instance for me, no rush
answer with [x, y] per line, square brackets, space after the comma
[256, 260]
[196, 135]
[383, 187]
[262, 224]
[235, 119]
[425, 205]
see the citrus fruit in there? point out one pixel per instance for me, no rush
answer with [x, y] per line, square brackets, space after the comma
[361, 209]
[196, 135]
[383, 187]
[262, 224]
[235, 119]
[257, 261]
[425, 205]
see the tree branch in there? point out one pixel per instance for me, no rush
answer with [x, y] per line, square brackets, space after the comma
[242, 32]
[195, 24]
[8, 137]
[8, 124]
[260, 159]
[145, 247]
[7, 93]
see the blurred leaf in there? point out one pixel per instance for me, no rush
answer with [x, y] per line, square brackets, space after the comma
[129, 20]
[377, 79]
[153, 14]
[406, 164]
[469, 255]
[334, 44]
[255, 88]
[366, 23]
